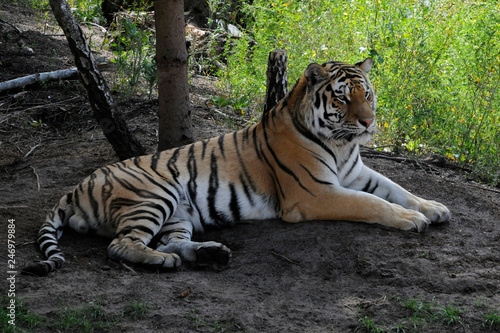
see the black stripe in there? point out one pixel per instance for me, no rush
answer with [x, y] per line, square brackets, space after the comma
[324, 100]
[212, 190]
[242, 163]
[193, 173]
[283, 166]
[246, 190]
[274, 176]
[321, 122]
[314, 178]
[302, 130]
[246, 134]
[127, 230]
[62, 214]
[317, 99]
[372, 190]
[221, 145]
[234, 205]
[93, 202]
[255, 143]
[171, 164]
[367, 186]
[53, 252]
[128, 172]
[47, 245]
[119, 202]
[76, 202]
[326, 164]
[352, 166]
[204, 144]
[143, 218]
[45, 237]
[133, 214]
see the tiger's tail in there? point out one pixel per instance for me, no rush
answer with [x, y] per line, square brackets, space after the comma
[48, 239]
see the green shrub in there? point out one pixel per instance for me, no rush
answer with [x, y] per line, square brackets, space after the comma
[436, 74]
[134, 50]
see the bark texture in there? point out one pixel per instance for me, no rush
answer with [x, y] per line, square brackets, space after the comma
[276, 79]
[101, 101]
[173, 92]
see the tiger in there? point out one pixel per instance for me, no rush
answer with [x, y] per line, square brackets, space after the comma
[300, 162]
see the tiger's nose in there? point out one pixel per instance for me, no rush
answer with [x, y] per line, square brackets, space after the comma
[366, 122]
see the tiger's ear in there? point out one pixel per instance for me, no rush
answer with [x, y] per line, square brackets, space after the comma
[366, 65]
[314, 74]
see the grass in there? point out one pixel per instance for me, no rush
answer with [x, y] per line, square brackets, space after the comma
[90, 318]
[24, 319]
[369, 325]
[135, 310]
[492, 320]
[420, 315]
[86, 319]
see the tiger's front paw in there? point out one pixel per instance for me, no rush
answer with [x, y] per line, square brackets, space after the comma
[408, 220]
[434, 211]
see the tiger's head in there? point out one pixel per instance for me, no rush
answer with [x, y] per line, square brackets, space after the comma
[340, 102]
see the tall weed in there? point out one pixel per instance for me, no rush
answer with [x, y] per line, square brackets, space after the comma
[134, 51]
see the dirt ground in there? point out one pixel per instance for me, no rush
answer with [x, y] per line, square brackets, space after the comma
[309, 277]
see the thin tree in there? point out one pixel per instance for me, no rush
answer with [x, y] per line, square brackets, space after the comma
[101, 101]
[173, 93]
[277, 80]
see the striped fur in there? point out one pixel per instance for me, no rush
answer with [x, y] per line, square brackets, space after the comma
[300, 163]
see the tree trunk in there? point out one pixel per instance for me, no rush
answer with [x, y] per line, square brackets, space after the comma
[171, 56]
[276, 79]
[112, 124]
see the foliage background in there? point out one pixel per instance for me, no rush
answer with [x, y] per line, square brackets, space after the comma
[436, 74]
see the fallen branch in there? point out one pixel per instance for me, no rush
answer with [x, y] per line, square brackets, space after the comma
[37, 78]
[10, 25]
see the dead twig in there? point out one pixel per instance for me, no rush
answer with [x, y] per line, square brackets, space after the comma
[103, 29]
[32, 150]
[283, 257]
[420, 164]
[482, 187]
[128, 268]
[37, 178]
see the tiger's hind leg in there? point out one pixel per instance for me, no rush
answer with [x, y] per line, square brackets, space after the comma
[130, 244]
[176, 238]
